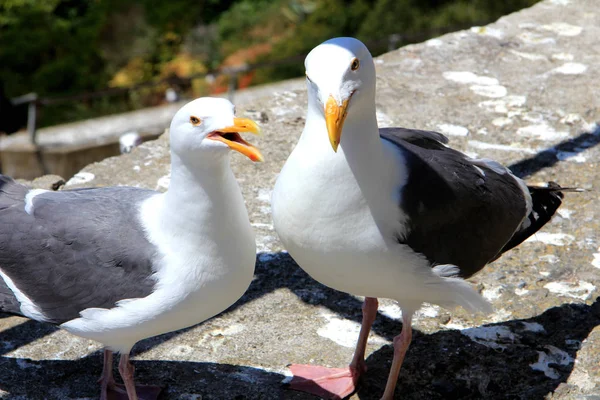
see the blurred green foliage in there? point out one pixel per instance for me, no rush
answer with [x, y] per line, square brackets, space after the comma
[372, 21]
[59, 47]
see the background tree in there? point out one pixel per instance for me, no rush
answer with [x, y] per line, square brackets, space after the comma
[59, 47]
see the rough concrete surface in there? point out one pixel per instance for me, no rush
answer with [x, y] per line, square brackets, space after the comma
[523, 91]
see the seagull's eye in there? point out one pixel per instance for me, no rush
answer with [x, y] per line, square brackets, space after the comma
[195, 120]
[355, 64]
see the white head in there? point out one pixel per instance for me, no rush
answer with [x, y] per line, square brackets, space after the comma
[128, 141]
[340, 77]
[206, 128]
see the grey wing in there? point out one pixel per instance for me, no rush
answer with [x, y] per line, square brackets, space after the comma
[461, 211]
[77, 249]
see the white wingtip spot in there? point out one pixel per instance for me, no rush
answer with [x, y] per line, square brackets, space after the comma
[29, 199]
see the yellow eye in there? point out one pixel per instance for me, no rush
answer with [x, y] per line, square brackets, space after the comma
[355, 64]
[195, 120]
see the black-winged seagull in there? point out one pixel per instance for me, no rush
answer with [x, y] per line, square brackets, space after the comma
[121, 264]
[390, 213]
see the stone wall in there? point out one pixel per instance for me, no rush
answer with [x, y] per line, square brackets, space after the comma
[523, 91]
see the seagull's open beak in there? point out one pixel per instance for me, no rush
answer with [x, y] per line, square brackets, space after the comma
[231, 137]
[335, 115]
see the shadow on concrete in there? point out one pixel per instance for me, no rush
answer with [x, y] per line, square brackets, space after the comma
[23, 334]
[482, 371]
[449, 365]
[58, 379]
[443, 365]
[552, 155]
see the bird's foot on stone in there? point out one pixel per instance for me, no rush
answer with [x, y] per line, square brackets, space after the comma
[328, 383]
[144, 392]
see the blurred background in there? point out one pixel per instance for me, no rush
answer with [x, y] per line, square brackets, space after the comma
[163, 50]
[71, 60]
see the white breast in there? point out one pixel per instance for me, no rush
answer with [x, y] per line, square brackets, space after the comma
[203, 268]
[335, 233]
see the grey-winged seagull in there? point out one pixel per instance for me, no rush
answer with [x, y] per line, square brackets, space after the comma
[120, 264]
[391, 213]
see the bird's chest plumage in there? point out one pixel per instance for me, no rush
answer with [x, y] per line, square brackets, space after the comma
[317, 202]
[327, 224]
[216, 255]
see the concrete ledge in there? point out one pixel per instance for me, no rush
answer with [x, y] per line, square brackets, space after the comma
[67, 148]
[524, 91]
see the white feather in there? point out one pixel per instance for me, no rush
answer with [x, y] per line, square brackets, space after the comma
[28, 307]
[29, 199]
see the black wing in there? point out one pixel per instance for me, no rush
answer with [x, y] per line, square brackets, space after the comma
[462, 211]
[80, 249]
[545, 201]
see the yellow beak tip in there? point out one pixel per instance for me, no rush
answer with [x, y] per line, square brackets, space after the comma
[259, 158]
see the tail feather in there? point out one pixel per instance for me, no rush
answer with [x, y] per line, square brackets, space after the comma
[545, 201]
[450, 291]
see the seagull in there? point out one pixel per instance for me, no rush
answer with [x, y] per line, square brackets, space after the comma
[171, 95]
[128, 141]
[391, 213]
[121, 264]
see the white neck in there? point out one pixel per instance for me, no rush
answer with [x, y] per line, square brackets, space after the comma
[360, 145]
[199, 190]
[362, 157]
[193, 180]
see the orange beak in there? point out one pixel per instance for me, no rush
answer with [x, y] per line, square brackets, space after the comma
[231, 137]
[335, 115]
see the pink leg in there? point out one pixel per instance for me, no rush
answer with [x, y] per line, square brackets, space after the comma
[337, 383]
[128, 391]
[401, 343]
[107, 380]
[369, 313]
[126, 370]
